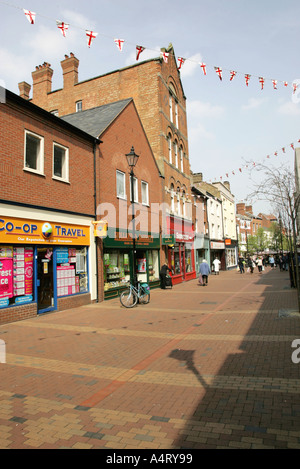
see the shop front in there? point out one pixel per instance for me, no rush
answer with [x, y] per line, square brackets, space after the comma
[217, 251]
[179, 243]
[231, 253]
[43, 265]
[118, 261]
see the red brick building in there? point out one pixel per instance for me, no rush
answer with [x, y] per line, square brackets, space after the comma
[157, 91]
[47, 246]
[119, 127]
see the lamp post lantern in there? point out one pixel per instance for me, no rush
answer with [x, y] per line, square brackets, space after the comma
[132, 159]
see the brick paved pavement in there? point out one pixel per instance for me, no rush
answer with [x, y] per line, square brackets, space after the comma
[195, 368]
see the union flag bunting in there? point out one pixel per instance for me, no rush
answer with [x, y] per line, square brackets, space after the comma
[119, 43]
[203, 66]
[30, 15]
[139, 50]
[165, 56]
[219, 72]
[63, 27]
[180, 62]
[90, 35]
[262, 82]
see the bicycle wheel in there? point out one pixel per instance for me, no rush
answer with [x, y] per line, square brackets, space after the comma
[144, 296]
[128, 298]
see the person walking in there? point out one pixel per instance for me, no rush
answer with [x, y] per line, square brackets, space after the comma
[249, 265]
[204, 270]
[216, 264]
[259, 264]
[241, 265]
[163, 275]
[271, 262]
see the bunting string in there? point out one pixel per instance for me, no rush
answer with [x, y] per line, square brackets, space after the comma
[248, 166]
[91, 35]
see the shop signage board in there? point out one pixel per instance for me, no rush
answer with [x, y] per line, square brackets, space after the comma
[123, 239]
[25, 231]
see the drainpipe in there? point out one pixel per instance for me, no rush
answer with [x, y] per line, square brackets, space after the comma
[96, 143]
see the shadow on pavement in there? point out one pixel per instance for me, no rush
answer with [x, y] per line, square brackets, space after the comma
[254, 399]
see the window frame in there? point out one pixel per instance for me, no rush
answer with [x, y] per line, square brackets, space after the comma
[65, 177]
[124, 197]
[78, 106]
[40, 156]
[145, 184]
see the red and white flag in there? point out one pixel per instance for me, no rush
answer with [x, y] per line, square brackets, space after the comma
[274, 84]
[30, 15]
[292, 146]
[139, 50]
[283, 150]
[262, 82]
[276, 153]
[240, 170]
[219, 72]
[165, 56]
[90, 35]
[203, 66]
[294, 87]
[63, 27]
[285, 83]
[119, 43]
[181, 61]
[232, 75]
[247, 78]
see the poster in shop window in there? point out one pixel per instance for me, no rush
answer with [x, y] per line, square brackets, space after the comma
[6, 278]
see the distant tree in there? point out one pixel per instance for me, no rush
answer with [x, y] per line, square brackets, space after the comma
[278, 187]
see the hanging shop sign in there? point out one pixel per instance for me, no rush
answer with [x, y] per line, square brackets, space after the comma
[100, 228]
[24, 231]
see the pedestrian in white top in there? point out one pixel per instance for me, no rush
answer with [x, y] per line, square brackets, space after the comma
[216, 264]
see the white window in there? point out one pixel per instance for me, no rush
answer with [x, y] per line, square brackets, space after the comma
[178, 203]
[176, 153]
[172, 199]
[60, 162]
[135, 189]
[79, 106]
[145, 193]
[170, 148]
[121, 189]
[181, 159]
[176, 115]
[171, 107]
[34, 152]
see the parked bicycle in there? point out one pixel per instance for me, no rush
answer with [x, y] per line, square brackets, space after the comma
[132, 295]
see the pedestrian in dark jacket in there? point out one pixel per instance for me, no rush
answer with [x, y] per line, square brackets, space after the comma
[163, 275]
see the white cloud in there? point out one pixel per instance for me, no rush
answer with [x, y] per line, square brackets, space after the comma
[289, 108]
[190, 66]
[201, 110]
[253, 103]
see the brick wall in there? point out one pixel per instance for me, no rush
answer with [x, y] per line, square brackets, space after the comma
[19, 185]
[17, 313]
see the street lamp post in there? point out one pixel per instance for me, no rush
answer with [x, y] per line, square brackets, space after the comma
[132, 160]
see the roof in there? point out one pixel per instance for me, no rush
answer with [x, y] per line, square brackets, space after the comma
[96, 120]
[65, 124]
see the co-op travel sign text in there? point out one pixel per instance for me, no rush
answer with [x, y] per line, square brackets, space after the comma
[13, 230]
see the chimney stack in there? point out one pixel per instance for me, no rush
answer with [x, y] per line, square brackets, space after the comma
[42, 82]
[70, 70]
[24, 89]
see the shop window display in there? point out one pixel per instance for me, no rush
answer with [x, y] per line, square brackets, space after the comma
[153, 257]
[116, 269]
[72, 276]
[16, 275]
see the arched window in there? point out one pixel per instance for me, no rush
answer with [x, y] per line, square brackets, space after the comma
[176, 153]
[169, 138]
[172, 198]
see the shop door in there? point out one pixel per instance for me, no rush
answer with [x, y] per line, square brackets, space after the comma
[45, 283]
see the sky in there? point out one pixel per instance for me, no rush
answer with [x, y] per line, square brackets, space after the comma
[232, 127]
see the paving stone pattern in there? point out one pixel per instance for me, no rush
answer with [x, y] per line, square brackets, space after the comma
[195, 368]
